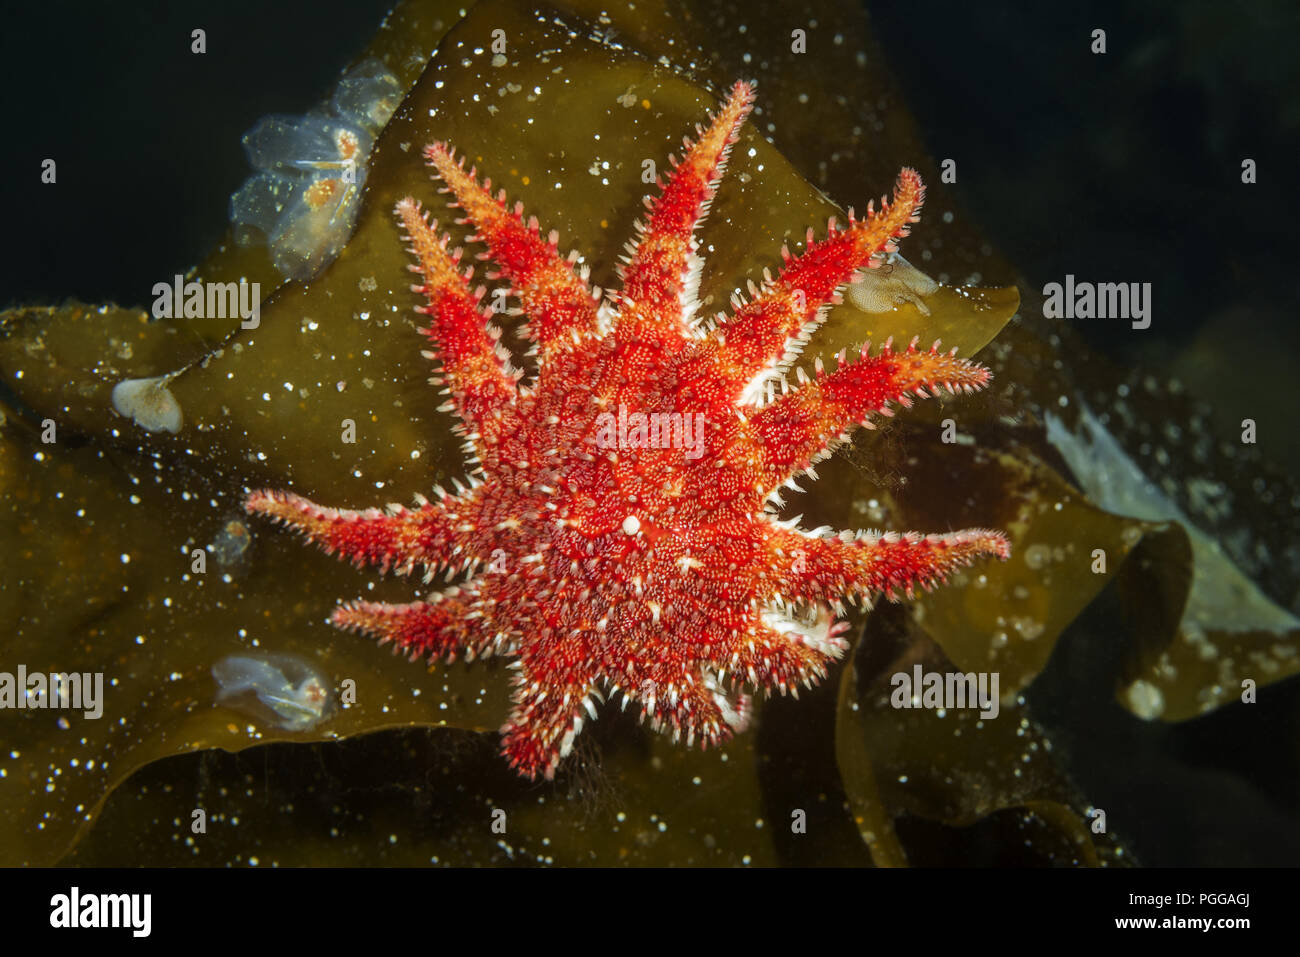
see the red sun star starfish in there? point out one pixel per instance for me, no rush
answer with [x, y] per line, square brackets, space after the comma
[619, 529]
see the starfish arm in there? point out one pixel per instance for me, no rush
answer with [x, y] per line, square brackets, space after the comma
[436, 534]
[560, 306]
[661, 278]
[474, 367]
[693, 709]
[803, 425]
[554, 695]
[541, 731]
[783, 653]
[767, 333]
[445, 627]
[856, 566]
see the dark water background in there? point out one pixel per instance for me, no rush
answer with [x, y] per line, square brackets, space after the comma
[146, 134]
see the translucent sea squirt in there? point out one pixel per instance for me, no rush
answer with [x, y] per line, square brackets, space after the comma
[303, 203]
[282, 690]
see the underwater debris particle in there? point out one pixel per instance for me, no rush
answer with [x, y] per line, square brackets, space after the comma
[231, 543]
[304, 202]
[284, 690]
[1038, 556]
[1145, 700]
[149, 403]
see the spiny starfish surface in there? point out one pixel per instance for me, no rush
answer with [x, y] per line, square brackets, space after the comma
[619, 533]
